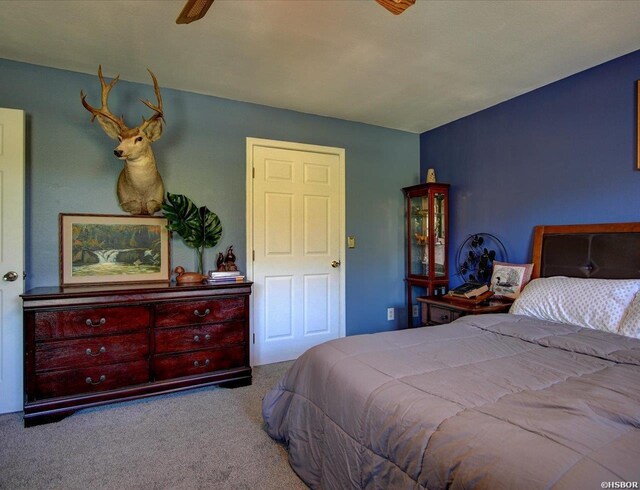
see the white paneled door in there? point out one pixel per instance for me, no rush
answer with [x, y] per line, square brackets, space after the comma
[295, 228]
[11, 257]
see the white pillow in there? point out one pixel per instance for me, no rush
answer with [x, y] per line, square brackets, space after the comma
[591, 303]
[630, 325]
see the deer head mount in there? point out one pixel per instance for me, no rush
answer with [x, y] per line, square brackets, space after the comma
[140, 188]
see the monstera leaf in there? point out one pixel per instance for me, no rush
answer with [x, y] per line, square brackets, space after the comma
[183, 218]
[200, 228]
[211, 227]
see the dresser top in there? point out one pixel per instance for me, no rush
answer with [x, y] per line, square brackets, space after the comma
[133, 291]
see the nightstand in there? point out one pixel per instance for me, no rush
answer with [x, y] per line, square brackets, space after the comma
[440, 309]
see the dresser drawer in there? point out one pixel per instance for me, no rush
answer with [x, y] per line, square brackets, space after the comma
[90, 321]
[198, 362]
[199, 312]
[200, 337]
[89, 352]
[90, 380]
[442, 315]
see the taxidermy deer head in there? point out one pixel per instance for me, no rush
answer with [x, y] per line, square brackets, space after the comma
[140, 188]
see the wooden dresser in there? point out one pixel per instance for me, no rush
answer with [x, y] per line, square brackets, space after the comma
[91, 345]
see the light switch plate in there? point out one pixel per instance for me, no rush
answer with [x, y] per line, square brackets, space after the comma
[351, 241]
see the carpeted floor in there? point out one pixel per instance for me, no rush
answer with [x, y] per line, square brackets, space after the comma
[206, 438]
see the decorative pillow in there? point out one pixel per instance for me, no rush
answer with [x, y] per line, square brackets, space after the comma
[507, 280]
[630, 325]
[591, 303]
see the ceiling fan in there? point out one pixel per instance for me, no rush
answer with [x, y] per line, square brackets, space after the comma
[196, 9]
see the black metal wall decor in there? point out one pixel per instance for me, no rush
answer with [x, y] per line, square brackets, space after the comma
[476, 255]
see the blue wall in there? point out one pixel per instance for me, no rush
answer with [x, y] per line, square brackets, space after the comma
[562, 154]
[71, 169]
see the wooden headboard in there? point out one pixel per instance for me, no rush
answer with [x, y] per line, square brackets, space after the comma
[605, 251]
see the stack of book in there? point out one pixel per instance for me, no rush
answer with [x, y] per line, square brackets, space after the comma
[215, 277]
[470, 291]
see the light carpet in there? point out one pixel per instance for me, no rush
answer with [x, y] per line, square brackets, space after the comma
[203, 438]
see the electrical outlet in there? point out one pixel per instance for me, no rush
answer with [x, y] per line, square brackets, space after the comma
[390, 313]
[415, 312]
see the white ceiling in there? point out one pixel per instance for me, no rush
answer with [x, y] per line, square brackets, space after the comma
[349, 59]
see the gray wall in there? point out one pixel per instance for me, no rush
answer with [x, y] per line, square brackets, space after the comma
[71, 169]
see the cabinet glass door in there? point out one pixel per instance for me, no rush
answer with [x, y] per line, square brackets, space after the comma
[419, 236]
[439, 232]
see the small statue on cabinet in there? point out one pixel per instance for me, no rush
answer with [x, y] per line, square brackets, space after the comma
[230, 260]
[226, 262]
[220, 263]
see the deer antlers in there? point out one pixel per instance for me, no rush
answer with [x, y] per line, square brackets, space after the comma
[157, 109]
[113, 125]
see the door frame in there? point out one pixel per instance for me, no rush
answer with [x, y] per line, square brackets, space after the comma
[288, 145]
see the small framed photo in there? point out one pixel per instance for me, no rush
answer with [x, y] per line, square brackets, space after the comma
[507, 280]
[101, 248]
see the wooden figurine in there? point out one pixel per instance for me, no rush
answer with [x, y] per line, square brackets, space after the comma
[183, 277]
[230, 260]
[220, 263]
[226, 262]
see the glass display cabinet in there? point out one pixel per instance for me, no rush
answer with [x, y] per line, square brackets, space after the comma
[427, 237]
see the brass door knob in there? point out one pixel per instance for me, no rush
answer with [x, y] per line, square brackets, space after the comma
[335, 263]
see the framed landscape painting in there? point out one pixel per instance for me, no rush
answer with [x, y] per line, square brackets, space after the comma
[100, 248]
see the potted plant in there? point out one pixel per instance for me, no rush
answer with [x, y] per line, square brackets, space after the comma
[198, 227]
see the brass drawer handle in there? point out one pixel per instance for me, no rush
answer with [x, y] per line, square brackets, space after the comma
[197, 313]
[196, 338]
[102, 350]
[90, 323]
[90, 381]
[197, 364]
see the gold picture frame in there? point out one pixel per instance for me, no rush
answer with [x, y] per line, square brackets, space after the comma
[113, 249]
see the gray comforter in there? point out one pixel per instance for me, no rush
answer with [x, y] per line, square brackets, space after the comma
[493, 401]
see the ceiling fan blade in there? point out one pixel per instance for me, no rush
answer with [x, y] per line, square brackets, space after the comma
[193, 10]
[396, 7]
[196, 9]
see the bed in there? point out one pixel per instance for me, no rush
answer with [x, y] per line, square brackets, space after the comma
[492, 401]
